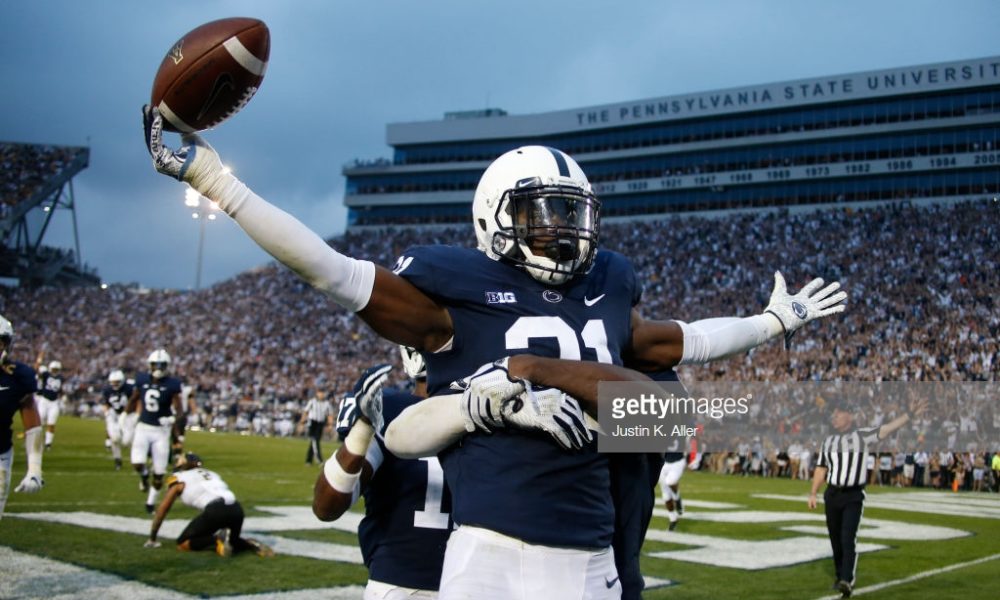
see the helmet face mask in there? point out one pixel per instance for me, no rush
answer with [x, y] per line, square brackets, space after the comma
[534, 207]
[555, 228]
[55, 367]
[6, 338]
[159, 363]
[115, 379]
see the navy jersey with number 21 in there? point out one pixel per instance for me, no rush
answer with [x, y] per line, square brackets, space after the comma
[520, 483]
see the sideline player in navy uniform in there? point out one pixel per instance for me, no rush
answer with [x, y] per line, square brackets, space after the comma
[50, 390]
[634, 477]
[17, 394]
[673, 463]
[536, 284]
[157, 397]
[407, 521]
[114, 399]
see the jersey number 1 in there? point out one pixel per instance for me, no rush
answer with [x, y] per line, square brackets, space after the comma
[432, 517]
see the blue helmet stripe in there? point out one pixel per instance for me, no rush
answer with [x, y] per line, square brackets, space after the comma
[560, 162]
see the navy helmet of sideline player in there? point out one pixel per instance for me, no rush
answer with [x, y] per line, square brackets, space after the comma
[537, 285]
[17, 390]
[407, 522]
[157, 398]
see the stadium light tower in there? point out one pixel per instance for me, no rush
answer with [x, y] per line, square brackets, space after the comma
[204, 211]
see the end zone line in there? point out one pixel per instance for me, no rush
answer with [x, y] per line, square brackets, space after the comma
[880, 586]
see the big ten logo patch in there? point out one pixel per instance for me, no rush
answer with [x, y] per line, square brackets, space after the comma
[500, 298]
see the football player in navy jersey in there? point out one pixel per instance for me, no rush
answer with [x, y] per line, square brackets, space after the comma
[633, 490]
[157, 398]
[17, 394]
[406, 523]
[114, 399]
[536, 284]
[50, 391]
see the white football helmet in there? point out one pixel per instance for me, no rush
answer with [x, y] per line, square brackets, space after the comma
[54, 367]
[159, 363]
[116, 378]
[6, 337]
[535, 207]
[413, 362]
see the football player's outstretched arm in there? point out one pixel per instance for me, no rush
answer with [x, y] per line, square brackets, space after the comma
[658, 345]
[346, 474]
[395, 309]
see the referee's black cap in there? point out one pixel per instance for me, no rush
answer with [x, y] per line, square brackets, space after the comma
[841, 404]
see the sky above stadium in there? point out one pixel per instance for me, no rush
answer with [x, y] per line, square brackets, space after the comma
[77, 73]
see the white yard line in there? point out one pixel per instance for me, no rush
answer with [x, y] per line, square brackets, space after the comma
[28, 577]
[881, 586]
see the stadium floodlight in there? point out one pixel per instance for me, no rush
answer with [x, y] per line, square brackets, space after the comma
[204, 210]
[191, 197]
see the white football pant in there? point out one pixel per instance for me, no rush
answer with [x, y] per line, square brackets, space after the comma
[670, 474]
[6, 462]
[151, 439]
[485, 565]
[376, 590]
[48, 410]
[113, 427]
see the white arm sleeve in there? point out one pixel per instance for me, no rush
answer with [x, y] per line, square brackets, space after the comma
[710, 339]
[33, 450]
[348, 281]
[426, 428]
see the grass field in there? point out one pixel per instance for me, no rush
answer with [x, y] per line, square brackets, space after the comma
[919, 533]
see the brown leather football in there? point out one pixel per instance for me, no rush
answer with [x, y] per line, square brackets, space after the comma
[211, 73]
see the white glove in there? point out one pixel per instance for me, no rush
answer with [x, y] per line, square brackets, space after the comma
[31, 483]
[795, 311]
[195, 163]
[152, 544]
[551, 410]
[368, 394]
[484, 393]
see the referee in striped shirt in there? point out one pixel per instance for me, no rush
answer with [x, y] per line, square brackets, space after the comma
[842, 464]
[318, 413]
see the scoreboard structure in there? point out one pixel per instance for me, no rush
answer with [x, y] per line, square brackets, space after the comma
[928, 133]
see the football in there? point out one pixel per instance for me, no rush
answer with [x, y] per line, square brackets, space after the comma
[211, 73]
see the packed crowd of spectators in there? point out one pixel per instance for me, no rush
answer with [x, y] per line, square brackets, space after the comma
[24, 167]
[922, 281]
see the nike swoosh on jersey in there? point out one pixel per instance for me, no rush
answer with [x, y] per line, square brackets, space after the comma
[593, 301]
[611, 583]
